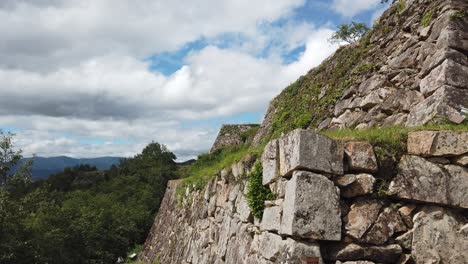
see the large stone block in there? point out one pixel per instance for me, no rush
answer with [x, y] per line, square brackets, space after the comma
[363, 213]
[311, 208]
[360, 156]
[350, 252]
[271, 220]
[270, 162]
[449, 72]
[424, 181]
[306, 150]
[439, 236]
[437, 143]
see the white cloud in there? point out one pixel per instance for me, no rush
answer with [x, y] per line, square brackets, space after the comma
[76, 70]
[48, 35]
[350, 8]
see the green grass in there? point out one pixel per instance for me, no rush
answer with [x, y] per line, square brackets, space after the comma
[427, 18]
[257, 193]
[207, 166]
[393, 138]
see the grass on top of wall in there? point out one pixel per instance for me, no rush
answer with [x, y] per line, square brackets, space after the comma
[391, 138]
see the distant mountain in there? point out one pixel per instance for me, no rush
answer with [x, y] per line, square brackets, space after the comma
[44, 167]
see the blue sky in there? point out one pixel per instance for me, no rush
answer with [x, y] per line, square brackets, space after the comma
[92, 85]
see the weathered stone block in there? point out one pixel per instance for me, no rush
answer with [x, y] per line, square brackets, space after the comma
[388, 223]
[421, 180]
[360, 156]
[363, 213]
[311, 207]
[306, 150]
[301, 252]
[271, 220]
[350, 252]
[437, 143]
[439, 236]
[270, 162]
[449, 72]
[355, 185]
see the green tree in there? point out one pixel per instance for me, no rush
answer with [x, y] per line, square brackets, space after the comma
[349, 33]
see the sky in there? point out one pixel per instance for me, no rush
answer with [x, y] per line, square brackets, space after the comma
[95, 78]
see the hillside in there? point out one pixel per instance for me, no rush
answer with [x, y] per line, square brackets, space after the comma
[410, 69]
[44, 167]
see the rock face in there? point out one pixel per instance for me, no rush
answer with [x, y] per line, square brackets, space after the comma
[360, 157]
[406, 72]
[311, 208]
[437, 143]
[231, 135]
[306, 150]
[421, 180]
[319, 217]
[439, 236]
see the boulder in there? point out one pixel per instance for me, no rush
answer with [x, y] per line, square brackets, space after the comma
[360, 156]
[270, 162]
[243, 209]
[311, 207]
[388, 223]
[271, 219]
[363, 213]
[448, 73]
[439, 236]
[301, 252]
[356, 252]
[445, 102]
[374, 82]
[356, 185]
[307, 150]
[271, 246]
[421, 180]
[437, 143]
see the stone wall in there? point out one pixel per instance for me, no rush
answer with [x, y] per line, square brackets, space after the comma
[231, 135]
[414, 71]
[327, 208]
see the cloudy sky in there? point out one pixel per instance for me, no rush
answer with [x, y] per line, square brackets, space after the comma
[95, 78]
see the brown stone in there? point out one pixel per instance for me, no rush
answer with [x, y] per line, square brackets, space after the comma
[360, 156]
[437, 143]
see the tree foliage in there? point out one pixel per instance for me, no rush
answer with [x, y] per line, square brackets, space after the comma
[83, 215]
[349, 33]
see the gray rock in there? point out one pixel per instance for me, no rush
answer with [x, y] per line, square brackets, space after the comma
[311, 208]
[306, 150]
[270, 162]
[405, 240]
[448, 73]
[243, 209]
[437, 143]
[445, 102]
[355, 252]
[421, 180]
[439, 236]
[356, 185]
[360, 156]
[271, 246]
[271, 220]
[388, 223]
[376, 81]
[300, 252]
[363, 213]
[278, 187]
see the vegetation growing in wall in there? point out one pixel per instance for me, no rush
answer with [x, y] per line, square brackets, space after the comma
[309, 100]
[257, 193]
[459, 14]
[427, 18]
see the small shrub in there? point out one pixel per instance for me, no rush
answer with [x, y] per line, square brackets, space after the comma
[350, 33]
[427, 18]
[257, 194]
[401, 6]
[459, 14]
